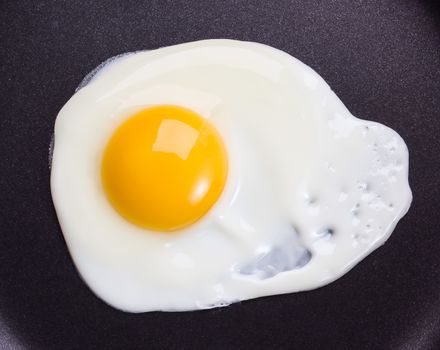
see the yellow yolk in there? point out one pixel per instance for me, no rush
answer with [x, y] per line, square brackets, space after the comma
[164, 168]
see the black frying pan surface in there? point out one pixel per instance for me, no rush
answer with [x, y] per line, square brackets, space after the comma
[382, 58]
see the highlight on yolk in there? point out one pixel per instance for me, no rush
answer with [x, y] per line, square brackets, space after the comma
[164, 168]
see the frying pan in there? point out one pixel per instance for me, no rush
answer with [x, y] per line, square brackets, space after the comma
[382, 58]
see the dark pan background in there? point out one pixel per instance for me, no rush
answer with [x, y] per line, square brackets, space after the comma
[382, 58]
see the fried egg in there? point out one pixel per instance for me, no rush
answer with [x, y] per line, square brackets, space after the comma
[202, 174]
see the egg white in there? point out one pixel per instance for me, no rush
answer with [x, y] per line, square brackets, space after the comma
[311, 189]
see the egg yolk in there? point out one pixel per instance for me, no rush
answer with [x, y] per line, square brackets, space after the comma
[164, 168]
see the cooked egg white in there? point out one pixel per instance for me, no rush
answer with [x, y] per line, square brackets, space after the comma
[201, 174]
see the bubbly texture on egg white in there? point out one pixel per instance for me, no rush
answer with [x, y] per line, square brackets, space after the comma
[310, 189]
